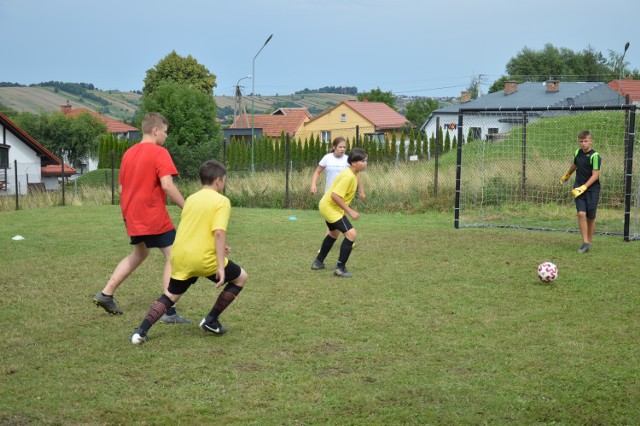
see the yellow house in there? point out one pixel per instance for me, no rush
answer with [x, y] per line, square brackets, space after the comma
[371, 119]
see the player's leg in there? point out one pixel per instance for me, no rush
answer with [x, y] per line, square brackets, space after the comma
[236, 278]
[345, 248]
[126, 266]
[581, 207]
[174, 292]
[329, 240]
[592, 206]
[164, 242]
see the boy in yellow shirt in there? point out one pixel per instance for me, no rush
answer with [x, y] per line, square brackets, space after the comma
[199, 251]
[333, 206]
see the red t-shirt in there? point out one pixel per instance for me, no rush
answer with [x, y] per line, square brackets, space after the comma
[143, 202]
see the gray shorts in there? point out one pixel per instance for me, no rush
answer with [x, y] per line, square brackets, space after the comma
[588, 202]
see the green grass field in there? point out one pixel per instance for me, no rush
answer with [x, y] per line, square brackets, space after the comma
[438, 326]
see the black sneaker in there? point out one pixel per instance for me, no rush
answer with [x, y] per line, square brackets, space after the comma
[317, 265]
[341, 271]
[585, 248]
[138, 337]
[107, 303]
[212, 327]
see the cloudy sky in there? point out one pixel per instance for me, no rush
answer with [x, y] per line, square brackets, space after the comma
[410, 47]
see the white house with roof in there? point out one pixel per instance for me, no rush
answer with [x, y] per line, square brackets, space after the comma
[24, 163]
[551, 93]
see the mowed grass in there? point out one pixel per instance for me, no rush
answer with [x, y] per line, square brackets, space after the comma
[438, 326]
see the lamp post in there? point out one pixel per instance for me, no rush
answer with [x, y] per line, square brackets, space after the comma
[253, 93]
[621, 73]
[238, 98]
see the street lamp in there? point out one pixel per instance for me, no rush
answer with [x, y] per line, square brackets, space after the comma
[621, 74]
[253, 93]
[238, 98]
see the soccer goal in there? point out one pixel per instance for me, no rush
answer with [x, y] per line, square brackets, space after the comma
[510, 162]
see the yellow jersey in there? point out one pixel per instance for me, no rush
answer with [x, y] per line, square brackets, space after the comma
[345, 186]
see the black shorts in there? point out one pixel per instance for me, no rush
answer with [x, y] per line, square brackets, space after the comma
[343, 225]
[588, 202]
[159, 240]
[231, 272]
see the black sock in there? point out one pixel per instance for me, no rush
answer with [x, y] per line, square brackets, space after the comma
[225, 298]
[171, 310]
[345, 251]
[106, 295]
[327, 243]
[158, 308]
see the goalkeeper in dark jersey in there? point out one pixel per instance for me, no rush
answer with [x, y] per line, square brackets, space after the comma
[587, 164]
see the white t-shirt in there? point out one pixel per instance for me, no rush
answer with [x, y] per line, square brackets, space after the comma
[332, 167]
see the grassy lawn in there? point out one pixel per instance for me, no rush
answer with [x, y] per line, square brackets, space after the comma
[438, 326]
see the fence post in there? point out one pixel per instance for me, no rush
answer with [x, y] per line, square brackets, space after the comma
[628, 186]
[436, 158]
[287, 156]
[113, 184]
[17, 187]
[524, 156]
[62, 168]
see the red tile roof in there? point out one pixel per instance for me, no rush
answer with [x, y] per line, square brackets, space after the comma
[629, 87]
[53, 170]
[288, 120]
[113, 126]
[381, 115]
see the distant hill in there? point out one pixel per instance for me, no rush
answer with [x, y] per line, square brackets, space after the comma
[123, 105]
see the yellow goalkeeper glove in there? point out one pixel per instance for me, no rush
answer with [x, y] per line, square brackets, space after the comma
[578, 191]
[565, 178]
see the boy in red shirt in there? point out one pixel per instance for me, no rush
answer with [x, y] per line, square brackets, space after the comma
[146, 179]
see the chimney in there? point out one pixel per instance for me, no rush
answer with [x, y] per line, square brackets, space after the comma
[65, 108]
[510, 87]
[464, 97]
[553, 86]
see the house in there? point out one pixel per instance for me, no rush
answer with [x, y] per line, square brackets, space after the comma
[371, 119]
[287, 120]
[122, 130]
[628, 86]
[24, 163]
[551, 93]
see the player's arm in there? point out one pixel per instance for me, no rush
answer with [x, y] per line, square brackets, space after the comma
[314, 179]
[361, 193]
[340, 202]
[566, 177]
[169, 188]
[595, 175]
[220, 237]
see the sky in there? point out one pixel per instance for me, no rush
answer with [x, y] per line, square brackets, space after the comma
[407, 47]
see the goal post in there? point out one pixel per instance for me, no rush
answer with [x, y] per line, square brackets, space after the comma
[510, 160]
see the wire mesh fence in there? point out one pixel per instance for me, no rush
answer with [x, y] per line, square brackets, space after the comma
[517, 168]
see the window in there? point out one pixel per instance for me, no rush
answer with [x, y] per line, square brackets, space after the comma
[493, 130]
[343, 118]
[325, 136]
[475, 132]
[4, 156]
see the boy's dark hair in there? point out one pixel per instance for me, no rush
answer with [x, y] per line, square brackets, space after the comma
[151, 120]
[356, 155]
[583, 134]
[211, 170]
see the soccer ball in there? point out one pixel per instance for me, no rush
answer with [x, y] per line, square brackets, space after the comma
[547, 272]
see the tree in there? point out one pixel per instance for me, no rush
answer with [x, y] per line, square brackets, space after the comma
[181, 70]
[194, 135]
[419, 110]
[75, 137]
[377, 95]
[559, 63]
